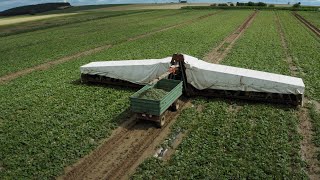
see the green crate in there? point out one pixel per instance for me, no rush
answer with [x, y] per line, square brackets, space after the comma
[157, 107]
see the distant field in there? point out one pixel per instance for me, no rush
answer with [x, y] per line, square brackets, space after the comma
[49, 119]
[15, 20]
[154, 6]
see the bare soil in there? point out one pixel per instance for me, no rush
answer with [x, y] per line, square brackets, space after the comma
[174, 146]
[308, 149]
[221, 51]
[15, 20]
[317, 105]
[129, 145]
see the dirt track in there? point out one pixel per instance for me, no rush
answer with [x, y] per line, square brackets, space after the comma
[221, 51]
[309, 25]
[308, 150]
[127, 147]
[284, 44]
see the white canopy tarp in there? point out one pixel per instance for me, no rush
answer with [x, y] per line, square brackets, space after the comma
[200, 74]
[135, 71]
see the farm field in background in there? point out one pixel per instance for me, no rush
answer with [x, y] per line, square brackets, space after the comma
[49, 119]
[57, 21]
[313, 17]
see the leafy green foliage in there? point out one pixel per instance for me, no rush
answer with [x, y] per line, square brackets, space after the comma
[315, 119]
[313, 17]
[258, 141]
[260, 48]
[33, 48]
[30, 26]
[304, 47]
[48, 119]
[153, 94]
[234, 140]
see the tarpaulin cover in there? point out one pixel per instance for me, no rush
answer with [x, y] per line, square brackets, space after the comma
[135, 71]
[200, 74]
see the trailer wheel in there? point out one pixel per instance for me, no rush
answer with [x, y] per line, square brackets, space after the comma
[161, 122]
[175, 106]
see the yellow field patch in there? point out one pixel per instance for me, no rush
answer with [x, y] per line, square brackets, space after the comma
[14, 20]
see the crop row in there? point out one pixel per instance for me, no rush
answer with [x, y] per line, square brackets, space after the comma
[260, 48]
[304, 47]
[49, 120]
[313, 17]
[30, 49]
[251, 141]
[12, 29]
[234, 139]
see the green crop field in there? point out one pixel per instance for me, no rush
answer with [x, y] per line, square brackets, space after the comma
[313, 17]
[49, 119]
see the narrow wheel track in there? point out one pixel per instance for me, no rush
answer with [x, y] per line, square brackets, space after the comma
[47, 65]
[307, 24]
[221, 51]
[80, 168]
[127, 147]
[308, 150]
[293, 68]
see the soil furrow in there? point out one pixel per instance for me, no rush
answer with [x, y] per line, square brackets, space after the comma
[88, 162]
[221, 51]
[308, 150]
[47, 65]
[309, 25]
[128, 146]
[293, 68]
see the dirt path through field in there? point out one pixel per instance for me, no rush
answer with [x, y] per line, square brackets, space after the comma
[309, 25]
[47, 65]
[128, 146]
[308, 150]
[221, 51]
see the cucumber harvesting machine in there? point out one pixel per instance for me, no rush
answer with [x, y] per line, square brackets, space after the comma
[164, 81]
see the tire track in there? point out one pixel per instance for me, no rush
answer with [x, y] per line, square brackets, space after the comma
[308, 150]
[128, 146]
[47, 65]
[293, 68]
[309, 25]
[221, 51]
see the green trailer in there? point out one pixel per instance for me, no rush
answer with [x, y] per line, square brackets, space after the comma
[153, 106]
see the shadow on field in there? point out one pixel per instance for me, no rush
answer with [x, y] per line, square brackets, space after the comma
[117, 87]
